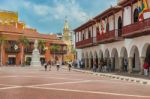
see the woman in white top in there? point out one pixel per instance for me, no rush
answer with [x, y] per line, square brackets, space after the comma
[57, 65]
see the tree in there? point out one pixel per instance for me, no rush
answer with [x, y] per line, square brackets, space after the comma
[24, 43]
[55, 48]
[41, 45]
[2, 41]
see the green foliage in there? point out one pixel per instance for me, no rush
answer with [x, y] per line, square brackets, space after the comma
[24, 40]
[42, 43]
[55, 47]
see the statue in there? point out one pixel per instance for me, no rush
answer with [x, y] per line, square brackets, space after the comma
[36, 44]
[35, 55]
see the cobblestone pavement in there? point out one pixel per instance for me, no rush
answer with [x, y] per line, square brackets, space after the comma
[35, 83]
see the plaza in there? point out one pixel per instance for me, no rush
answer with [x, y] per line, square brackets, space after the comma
[36, 83]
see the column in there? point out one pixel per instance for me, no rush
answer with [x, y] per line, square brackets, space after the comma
[130, 64]
[120, 64]
[142, 59]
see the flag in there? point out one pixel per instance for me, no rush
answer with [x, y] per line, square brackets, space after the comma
[142, 8]
[15, 47]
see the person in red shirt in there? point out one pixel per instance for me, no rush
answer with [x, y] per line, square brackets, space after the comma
[146, 67]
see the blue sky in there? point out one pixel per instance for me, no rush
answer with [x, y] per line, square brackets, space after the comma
[48, 16]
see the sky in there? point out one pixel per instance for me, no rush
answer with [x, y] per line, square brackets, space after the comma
[47, 16]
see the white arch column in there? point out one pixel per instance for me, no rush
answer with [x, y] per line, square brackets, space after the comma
[85, 60]
[130, 64]
[142, 59]
[120, 64]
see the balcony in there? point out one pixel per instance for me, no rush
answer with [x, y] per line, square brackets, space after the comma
[42, 52]
[59, 52]
[137, 29]
[86, 42]
[107, 37]
[28, 50]
[12, 50]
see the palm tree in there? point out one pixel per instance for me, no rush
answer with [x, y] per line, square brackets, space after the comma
[2, 41]
[41, 45]
[24, 42]
[55, 48]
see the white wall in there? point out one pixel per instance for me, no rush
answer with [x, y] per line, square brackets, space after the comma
[111, 22]
[94, 30]
[127, 16]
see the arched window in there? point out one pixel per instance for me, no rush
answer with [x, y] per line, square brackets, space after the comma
[119, 26]
[135, 16]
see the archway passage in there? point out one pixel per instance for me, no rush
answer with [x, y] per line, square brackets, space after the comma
[11, 60]
[96, 61]
[119, 26]
[91, 62]
[136, 15]
[136, 60]
[148, 54]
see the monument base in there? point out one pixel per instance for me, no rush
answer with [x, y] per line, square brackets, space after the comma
[35, 63]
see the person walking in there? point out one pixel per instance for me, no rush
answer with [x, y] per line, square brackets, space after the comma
[69, 66]
[50, 65]
[57, 65]
[125, 65]
[45, 66]
[146, 67]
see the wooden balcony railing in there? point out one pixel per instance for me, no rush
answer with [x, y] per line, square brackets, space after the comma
[12, 50]
[106, 36]
[136, 28]
[28, 50]
[58, 52]
[85, 42]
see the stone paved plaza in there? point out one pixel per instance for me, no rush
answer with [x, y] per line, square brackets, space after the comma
[35, 83]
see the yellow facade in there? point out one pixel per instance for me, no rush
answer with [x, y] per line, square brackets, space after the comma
[8, 17]
[11, 18]
[67, 40]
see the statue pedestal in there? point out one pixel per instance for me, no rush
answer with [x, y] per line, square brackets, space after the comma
[35, 58]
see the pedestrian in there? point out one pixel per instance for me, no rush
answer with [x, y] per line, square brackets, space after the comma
[109, 65]
[146, 67]
[45, 66]
[50, 65]
[125, 65]
[57, 65]
[105, 66]
[69, 66]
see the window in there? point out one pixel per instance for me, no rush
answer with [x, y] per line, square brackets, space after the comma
[119, 26]
[136, 14]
